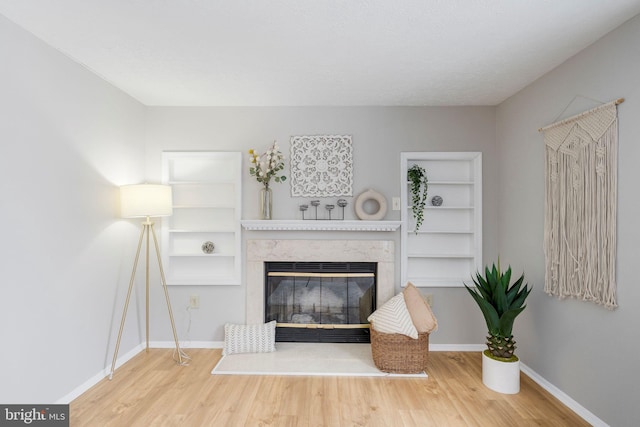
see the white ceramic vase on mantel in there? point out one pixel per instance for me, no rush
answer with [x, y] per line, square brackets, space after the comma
[503, 377]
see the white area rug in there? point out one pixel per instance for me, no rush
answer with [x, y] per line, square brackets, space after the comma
[329, 359]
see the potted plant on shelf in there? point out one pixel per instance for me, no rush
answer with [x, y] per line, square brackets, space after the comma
[419, 185]
[500, 304]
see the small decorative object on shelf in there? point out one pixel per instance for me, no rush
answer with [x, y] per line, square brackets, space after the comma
[303, 208]
[375, 199]
[264, 167]
[436, 201]
[329, 208]
[342, 203]
[207, 247]
[315, 204]
[417, 177]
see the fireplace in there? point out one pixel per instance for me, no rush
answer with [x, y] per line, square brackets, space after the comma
[320, 301]
[260, 252]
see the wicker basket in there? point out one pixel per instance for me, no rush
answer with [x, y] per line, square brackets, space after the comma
[399, 354]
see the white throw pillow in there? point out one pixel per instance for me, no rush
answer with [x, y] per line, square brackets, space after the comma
[393, 318]
[260, 338]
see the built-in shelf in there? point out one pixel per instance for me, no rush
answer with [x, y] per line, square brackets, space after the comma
[421, 231]
[441, 255]
[439, 282]
[210, 230]
[211, 206]
[201, 255]
[448, 182]
[448, 247]
[319, 225]
[207, 198]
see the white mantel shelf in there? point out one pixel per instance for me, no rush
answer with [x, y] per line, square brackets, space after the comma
[319, 225]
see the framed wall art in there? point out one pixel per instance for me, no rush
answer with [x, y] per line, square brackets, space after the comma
[321, 166]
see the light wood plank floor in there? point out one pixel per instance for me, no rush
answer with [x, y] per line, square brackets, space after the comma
[150, 390]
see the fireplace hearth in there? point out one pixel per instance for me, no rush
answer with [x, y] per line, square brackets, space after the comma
[320, 301]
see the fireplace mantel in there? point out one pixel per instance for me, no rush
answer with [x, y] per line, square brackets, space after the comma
[319, 225]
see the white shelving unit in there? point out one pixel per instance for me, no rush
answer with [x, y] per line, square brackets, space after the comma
[207, 206]
[447, 249]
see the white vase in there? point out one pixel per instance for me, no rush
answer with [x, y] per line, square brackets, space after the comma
[503, 377]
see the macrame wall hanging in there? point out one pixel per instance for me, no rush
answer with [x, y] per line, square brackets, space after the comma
[581, 155]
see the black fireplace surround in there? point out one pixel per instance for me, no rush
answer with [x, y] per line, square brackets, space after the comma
[320, 301]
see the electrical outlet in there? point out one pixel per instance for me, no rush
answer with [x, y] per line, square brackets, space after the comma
[395, 203]
[429, 299]
[194, 301]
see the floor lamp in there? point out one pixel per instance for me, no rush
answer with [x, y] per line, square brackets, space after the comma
[146, 201]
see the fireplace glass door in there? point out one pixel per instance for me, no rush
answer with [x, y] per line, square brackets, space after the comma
[320, 301]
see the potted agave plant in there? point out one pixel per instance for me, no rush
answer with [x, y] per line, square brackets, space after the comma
[500, 303]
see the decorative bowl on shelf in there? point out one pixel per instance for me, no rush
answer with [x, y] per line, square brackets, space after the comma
[207, 247]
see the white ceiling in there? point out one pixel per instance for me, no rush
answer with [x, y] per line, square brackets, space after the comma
[319, 52]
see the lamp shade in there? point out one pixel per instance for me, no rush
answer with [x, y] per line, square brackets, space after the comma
[144, 200]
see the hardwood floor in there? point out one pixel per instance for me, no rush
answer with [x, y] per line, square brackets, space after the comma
[150, 390]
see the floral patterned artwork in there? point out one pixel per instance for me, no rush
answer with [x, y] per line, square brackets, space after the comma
[321, 166]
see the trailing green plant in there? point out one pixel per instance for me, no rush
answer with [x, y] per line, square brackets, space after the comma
[417, 177]
[500, 304]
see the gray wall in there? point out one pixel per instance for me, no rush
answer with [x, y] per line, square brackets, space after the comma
[588, 352]
[379, 135]
[67, 140]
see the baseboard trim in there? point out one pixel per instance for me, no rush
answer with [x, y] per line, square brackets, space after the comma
[95, 379]
[187, 344]
[456, 347]
[583, 412]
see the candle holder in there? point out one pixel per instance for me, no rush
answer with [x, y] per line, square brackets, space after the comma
[315, 203]
[303, 208]
[342, 203]
[329, 208]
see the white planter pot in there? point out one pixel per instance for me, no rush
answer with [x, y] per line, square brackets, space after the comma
[503, 377]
